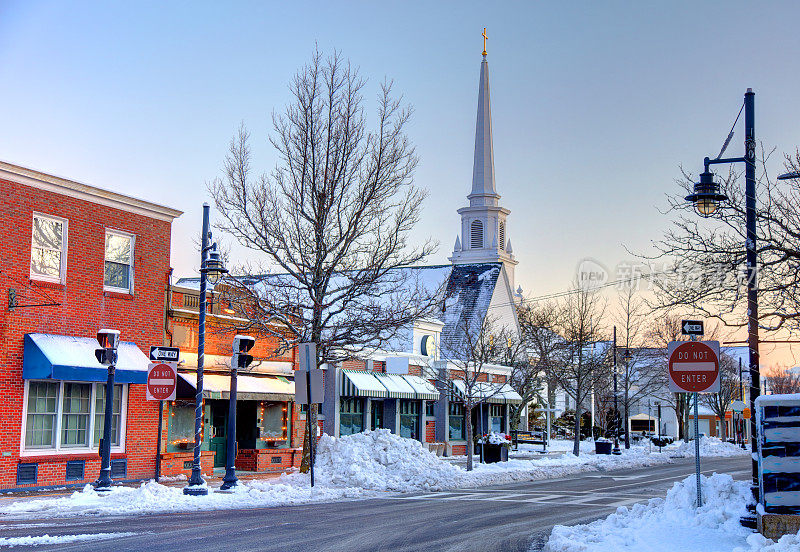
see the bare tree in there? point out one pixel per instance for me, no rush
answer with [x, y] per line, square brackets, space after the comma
[525, 377]
[468, 360]
[581, 366]
[640, 370]
[705, 260]
[782, 381]
[332, 219]
[720, 403]
[539, 325]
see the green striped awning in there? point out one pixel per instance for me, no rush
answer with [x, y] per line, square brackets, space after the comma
[492, 393]
[358, 383]
[396, 386]
[424, 389]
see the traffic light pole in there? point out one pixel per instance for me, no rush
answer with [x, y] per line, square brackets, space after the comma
[104, 482]
[230, 480]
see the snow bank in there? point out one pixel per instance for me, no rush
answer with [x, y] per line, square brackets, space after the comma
[709, 446]
[58, 539]
[380, 460]
[671, 524]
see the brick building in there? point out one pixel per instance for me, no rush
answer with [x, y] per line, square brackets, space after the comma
[73, 259]
[269, 426]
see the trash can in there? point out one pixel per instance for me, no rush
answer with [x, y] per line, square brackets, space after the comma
[602, 447]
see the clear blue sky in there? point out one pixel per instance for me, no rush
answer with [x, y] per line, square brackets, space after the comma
[595, 104]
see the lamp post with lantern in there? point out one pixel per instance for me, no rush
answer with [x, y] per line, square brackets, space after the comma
[706, 198]
[211, 269]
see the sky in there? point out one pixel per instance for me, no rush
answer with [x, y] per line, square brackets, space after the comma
[595, 105]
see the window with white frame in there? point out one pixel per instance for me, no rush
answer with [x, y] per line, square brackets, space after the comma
[68, 416]
[118, 275]
[48, 248]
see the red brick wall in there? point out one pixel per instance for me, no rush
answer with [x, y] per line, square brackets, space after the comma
[430, 431]
[83, 308]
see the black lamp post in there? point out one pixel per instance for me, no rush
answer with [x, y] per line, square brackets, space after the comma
[211, 269]
[615, 450]
[706, 198]
[107, 355]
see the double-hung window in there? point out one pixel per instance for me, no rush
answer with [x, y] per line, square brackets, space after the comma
[67, 417]
[118, 273]
[457, 430]
[49, 248]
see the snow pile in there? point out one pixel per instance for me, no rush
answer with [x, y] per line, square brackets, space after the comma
[709, 446]
[758, 543]
[58, 539]
[672, 524]
[380, 460]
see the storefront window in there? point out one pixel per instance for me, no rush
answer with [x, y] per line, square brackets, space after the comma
[75, 415]
[180, 430]
[351, 416]
[42, 410]
[497, 418]
[273, 422]
[456, 417]
[429, 409]
[100, 414]
[409, 419]
[377, 414]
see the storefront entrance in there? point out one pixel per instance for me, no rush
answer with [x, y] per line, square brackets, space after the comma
[219, 432]
[377, 415]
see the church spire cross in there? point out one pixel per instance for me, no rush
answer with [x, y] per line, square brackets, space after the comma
[483, 34]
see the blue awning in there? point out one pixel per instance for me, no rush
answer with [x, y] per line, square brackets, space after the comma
[63, 357]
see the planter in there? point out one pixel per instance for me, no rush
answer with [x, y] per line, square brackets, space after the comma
[602, 447]
[492, 453]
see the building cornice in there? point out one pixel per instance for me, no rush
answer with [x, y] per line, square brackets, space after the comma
[78, 190]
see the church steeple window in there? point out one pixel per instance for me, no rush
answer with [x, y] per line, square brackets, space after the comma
[476, 234]
[502, 235]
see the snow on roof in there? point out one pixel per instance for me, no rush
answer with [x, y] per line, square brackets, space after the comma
[770, 400]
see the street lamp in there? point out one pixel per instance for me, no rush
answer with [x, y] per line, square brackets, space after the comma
[706, 198]
[107, 355]
[627, 356]
[211, 269]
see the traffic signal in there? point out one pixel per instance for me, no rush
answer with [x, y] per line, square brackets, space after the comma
[242, 344]
[109, 341]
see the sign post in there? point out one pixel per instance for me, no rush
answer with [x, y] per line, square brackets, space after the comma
[694, 368]
[308, 391]
[164, 373]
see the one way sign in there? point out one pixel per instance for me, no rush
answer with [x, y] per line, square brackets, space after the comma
[169, 354]
[692, 327]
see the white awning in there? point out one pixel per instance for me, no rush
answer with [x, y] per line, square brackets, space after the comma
[423, 389]
[495, 393]
[358, 383]
[248, 388]
[396, 386]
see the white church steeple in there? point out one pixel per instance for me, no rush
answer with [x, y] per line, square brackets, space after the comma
[484, 236]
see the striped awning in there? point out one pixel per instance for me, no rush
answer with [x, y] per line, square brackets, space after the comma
[493, 393]
[248, 388]
[358, 383]
[396, 386]
[424, 389]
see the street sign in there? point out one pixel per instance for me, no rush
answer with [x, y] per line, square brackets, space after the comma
[307, 356]
[301, 386]
[693, 366]
[692, 327]
[162, 381]
[170, 354]
[738, 406]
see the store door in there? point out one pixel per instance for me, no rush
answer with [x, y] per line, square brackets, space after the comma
[219, 432]
[377, 415]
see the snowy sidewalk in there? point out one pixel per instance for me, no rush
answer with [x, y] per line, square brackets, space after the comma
[673, 524]
[357, 466]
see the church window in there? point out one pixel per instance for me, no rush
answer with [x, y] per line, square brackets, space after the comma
[476, 234]
[502, 235]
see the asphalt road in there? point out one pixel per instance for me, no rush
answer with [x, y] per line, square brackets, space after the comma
[512, 517]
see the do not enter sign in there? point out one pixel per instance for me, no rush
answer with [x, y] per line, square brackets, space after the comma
[162, 381]
[693, 366]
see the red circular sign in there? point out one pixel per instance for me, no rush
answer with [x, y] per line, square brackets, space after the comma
[694, 366]
[161, 381]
